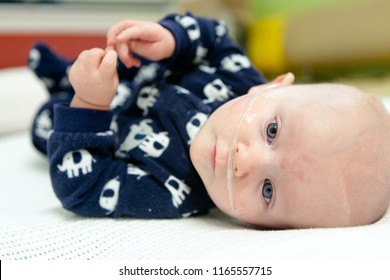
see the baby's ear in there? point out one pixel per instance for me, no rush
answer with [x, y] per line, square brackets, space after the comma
[285, 79]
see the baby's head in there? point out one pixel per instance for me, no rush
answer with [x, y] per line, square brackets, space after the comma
[302, 156]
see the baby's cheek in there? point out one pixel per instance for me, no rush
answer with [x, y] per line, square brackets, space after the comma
[296, 169]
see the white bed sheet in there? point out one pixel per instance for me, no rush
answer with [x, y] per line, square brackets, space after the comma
[34, 226]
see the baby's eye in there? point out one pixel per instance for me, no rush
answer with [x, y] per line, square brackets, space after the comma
[272, 131]
[267, 191]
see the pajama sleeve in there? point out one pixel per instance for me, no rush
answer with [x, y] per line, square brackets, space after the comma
[205, 43]
[87, 177]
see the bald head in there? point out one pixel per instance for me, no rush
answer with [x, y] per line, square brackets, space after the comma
[356, 156]
[326, 162]
[367, 161]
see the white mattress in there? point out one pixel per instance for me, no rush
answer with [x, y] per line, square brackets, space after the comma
[34, 226]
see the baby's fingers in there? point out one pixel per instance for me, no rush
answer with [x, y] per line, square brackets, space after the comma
[89, 59]
[126, 56]
[116, 29]
[108, 64]
[136, 32]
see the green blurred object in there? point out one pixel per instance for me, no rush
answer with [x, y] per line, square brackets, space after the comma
[320, 39]
[261, 8]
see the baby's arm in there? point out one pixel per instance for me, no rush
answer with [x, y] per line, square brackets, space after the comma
[90, 181]
[94, 79]
[203, 43]
[86, 176]
[148, 39]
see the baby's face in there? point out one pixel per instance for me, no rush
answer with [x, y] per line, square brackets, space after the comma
[288, 163]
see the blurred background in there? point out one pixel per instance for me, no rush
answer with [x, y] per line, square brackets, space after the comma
[323, 40]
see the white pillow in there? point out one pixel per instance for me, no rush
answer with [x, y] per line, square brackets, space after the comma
[21, 94]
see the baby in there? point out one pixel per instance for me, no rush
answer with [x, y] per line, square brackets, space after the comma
[304, 156]
[184, 122]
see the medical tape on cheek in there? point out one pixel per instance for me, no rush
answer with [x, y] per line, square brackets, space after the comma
[247, 116]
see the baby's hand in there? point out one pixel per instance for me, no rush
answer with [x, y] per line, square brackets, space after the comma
[147, 39]
[94, 79]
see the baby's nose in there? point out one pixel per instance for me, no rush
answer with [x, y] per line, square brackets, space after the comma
[245, 160]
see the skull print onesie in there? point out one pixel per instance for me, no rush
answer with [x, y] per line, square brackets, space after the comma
[134, 159]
